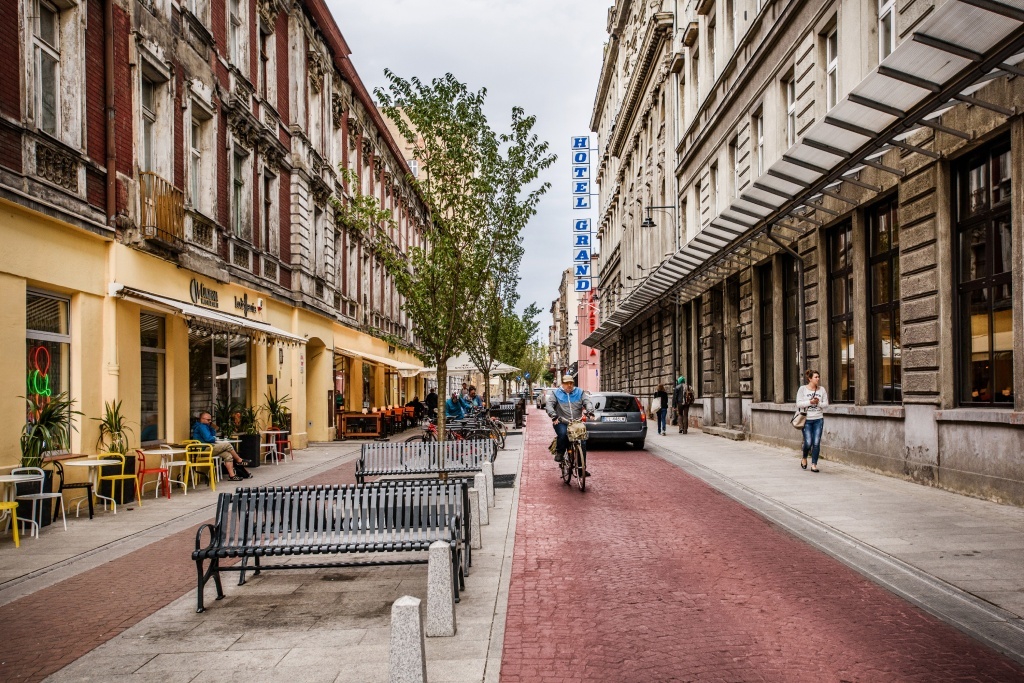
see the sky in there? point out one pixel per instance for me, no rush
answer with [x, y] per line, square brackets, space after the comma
[542, 55]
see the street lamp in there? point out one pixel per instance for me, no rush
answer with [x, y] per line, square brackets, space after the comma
[649, 222]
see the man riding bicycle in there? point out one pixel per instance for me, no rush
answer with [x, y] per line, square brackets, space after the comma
[563, 406]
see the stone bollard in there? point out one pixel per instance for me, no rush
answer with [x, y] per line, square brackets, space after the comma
[407, 659]
[440, 591]
[488, 471]
[474, 522]
[480, 484]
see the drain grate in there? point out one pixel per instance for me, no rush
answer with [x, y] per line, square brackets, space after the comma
[504, 481]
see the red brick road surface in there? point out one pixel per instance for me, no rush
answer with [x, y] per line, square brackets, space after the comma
[651, 575]
[47, 630]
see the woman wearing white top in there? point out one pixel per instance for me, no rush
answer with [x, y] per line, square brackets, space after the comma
[810, 399]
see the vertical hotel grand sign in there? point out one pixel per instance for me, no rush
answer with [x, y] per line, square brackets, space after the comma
[582, 237]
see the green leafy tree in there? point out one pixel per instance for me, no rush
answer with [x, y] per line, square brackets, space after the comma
[534, 362]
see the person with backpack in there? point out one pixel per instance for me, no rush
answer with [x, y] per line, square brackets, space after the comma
[659, 407]
[683, 397]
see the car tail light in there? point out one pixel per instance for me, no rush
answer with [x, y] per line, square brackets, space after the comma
[640, 407]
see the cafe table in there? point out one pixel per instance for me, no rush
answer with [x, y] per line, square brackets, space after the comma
[94, 465]
[270, 445]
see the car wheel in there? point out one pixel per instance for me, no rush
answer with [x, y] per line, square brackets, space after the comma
[638, 444]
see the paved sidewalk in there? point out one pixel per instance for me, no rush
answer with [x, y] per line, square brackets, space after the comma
[653, 575]
[316, 625]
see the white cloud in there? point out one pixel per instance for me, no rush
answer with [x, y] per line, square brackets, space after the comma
[542, 55]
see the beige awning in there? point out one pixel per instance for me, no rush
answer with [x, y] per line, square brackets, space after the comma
[204, 317]
[404, 369]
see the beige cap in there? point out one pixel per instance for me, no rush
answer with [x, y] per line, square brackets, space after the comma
[569, 379]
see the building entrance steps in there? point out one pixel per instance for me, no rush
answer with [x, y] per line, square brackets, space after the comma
[727, 432]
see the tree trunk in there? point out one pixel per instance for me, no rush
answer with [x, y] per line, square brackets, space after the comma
[487, 389]
[442, 385]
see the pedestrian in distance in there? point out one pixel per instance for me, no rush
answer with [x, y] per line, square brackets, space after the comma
[810, 399]
[659, 406]
[683, 397]
[431, 403]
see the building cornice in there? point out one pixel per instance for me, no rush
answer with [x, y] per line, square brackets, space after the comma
[658, 28]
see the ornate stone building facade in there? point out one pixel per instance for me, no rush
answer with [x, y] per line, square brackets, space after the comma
[169, 183]
[843, 181]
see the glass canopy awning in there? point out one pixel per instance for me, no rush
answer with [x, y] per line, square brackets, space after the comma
[962, 46]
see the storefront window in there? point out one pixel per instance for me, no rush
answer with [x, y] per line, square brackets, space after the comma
[767, 336]
[840, 254]
[341, 382]
[369, 400]
[791, 320]
[48, 346]
[984, 278]
[153, 354]
[884, 275]
[218, 370]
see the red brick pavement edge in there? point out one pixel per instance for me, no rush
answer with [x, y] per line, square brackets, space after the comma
[51, 628]
[652, 575]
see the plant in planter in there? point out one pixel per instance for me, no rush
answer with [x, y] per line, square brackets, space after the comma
[249, 426]
[224, 417]
[114, 429]
[48, 428]
[277, 410]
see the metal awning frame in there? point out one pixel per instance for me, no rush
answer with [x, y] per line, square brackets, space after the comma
[939, 96]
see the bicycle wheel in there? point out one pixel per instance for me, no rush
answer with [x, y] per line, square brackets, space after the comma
[499, 436]
[581, 465]
[567, 467]
[415, 439]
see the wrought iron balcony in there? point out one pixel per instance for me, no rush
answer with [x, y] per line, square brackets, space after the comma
[163, 211]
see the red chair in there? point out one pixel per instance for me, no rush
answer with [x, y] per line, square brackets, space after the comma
[161, 475]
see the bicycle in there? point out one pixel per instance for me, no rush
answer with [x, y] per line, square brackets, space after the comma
[574, 463]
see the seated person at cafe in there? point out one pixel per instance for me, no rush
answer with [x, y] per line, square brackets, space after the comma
[473, 400]
[203, 431]
[453, 408]
[416, 406]
[431, 404]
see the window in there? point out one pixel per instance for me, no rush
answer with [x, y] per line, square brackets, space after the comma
[886, 28]
[735, 166]
[695, 69]
[201, 160]
[712, 27]
[147, 152]
[698, 378]
[791, 321]
[984, 272]
[831, 68]
[46, 44]
[153, 354]
[235, 32]
[789, 85]
[884, 287]
[414, 167]
[239, 197]
[840, 262]
[47, 345]
[196, 156]
[264, 62]
[767, 334]
[759, 140]
[267, 241]
[734, 23]
[714, 188]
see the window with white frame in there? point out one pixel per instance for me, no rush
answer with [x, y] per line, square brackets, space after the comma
[199, 9]
[886, 28]
[196, 160]
[201, 160]
[235, 32]
[147, 139]
[789, 86]
[758, 137]
[241, 218]
[831, 68]
[268, 233]
[46, 46]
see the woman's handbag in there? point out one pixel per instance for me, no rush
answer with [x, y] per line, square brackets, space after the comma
[655, 404]
[799, 419]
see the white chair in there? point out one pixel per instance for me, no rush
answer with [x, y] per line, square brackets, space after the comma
[36, 519]
[271, 451]
[170, 464]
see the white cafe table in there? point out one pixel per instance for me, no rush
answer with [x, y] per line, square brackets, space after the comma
[94, 464]
[9, 482]
[167, 462]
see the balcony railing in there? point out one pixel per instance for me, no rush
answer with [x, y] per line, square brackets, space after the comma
[163, 211]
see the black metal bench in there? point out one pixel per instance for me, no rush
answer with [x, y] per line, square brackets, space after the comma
[506, 412]
[424, 458]
[385, 517]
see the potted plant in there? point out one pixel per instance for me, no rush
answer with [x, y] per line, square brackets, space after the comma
[224, 417]
[114, 431]
[48, 427]
[276, 409]
[249, 426]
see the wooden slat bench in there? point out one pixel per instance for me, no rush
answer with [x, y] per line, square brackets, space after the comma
[389, 517]
[424, 458]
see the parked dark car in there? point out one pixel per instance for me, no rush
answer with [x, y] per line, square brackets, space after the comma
[618, 418]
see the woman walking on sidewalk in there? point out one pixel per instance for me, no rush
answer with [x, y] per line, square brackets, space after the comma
[660, 406]
[810, 399]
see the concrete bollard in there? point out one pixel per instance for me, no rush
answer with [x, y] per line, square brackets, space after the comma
[407, 658]
[480, 484]
[488, 472]
[474, 522]
[440, 591]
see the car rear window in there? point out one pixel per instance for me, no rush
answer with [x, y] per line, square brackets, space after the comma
[616, 404]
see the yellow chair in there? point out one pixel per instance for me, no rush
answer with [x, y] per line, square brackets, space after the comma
[200, 457]
[12, 506]
[121, 477]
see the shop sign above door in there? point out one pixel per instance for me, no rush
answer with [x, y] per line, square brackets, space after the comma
[247, 307]
[202, 295]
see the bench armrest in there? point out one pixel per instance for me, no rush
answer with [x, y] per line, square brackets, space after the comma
[214, 531]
